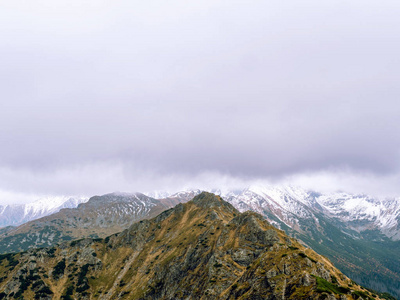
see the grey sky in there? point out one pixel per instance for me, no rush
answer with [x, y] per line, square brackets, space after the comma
[98, 96]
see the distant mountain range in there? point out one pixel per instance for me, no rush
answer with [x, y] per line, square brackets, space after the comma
[203, 249]
[359, 234]
[358, 215]
[98, 217]
[17, 214]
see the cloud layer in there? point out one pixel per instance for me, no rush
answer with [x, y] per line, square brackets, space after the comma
[101, 94]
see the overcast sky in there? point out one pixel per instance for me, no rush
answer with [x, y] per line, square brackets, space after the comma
[100, 96]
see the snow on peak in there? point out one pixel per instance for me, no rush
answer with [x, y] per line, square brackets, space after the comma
[20, 213]
[282, 194]
[51, 204]
[158, 194]
[382, 212]
[291, 203]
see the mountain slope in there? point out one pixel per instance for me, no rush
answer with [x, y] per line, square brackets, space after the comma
[204, 249]
[17, 214]
[99, 217]
[366, 255]
[363, 213]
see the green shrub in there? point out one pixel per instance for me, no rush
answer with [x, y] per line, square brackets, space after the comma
[387, 296]
[74, 243]
[82, 274]
[360, 294]
[334, 279]
[43, 292]
[12, 262]
[325, 286]
[85, 286]
[59, 269]
[68, 293]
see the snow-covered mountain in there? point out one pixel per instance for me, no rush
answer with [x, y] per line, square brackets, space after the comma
[363, 213]
[17, 214]
[280, 205]
[290, 206]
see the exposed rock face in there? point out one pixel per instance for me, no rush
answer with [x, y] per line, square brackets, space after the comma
[204, 249]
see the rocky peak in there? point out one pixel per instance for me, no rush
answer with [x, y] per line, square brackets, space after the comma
[210, 200]
[117, 197]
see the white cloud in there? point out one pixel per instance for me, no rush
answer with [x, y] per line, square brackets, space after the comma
[348, 181]
[136, 95]
[22, 186]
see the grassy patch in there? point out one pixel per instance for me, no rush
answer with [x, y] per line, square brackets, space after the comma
[326, 286]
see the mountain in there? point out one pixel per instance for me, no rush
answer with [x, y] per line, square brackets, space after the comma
[357, 233]
[17, 214]
[183, 196]
[355, 214]
[364, 214]
[203, 249]
[99, 217]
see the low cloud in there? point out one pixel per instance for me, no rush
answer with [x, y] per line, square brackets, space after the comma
[22, 186]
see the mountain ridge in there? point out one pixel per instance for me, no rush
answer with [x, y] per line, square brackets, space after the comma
[203, 249]
[98, 217]
[369, 256]
[18, 214]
